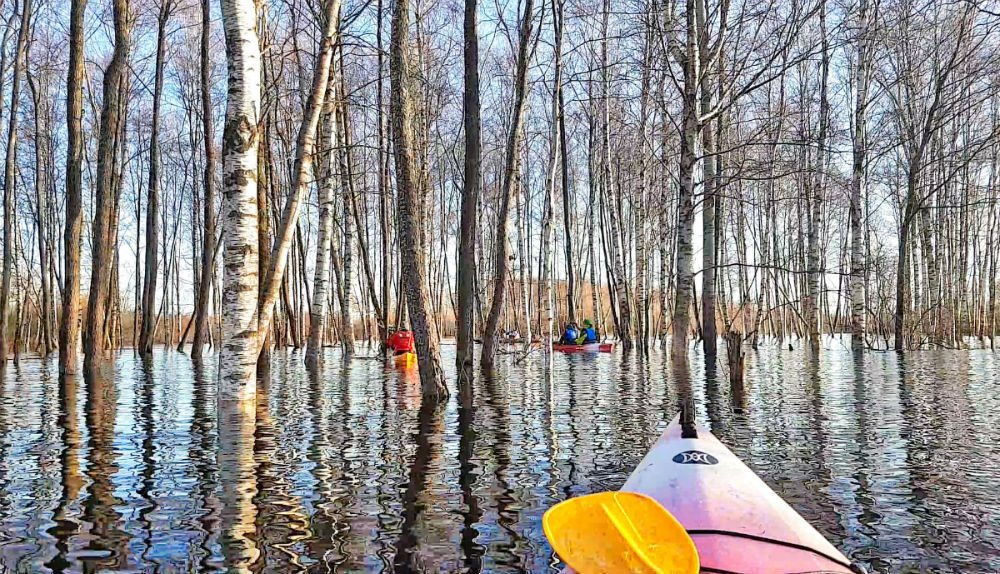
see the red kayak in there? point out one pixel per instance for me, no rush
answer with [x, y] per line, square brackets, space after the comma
[586, 348]
[737, 523]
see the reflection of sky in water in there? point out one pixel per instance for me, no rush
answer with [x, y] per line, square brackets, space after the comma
[894, 461]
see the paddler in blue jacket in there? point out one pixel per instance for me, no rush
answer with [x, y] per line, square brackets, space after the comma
[569, 335]
[588, 335]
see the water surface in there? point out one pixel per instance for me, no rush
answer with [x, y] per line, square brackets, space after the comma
[341, 470]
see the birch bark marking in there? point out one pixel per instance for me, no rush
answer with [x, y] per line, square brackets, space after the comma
[238, 356]
[411, 247]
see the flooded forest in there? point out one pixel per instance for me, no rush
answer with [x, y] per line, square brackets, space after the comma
[783, 216]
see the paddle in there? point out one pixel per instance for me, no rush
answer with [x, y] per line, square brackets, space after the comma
[619, 532]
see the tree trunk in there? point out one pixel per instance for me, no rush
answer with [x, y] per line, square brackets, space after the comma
[69, 330]
[95, 333]
[238, 355]
[301, 170]
[321, 273]
[8, 174]
[545, 287]
[511, 168]
[814, 261]
[410, 216]
[350, 230]
[685, 196]
[858, 183]
[153, 194]
[470, 193]
[201, 326]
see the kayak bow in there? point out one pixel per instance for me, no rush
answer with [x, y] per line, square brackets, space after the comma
[738, 524]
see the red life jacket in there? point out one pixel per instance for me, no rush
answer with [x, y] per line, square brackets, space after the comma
[401, 342]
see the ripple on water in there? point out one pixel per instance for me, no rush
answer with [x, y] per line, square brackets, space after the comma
[340, 469]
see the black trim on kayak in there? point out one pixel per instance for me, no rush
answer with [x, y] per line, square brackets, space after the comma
[847, 565]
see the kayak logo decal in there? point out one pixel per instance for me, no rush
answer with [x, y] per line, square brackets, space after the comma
[695, 457]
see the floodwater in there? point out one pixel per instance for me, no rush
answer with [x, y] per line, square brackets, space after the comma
[895, 460]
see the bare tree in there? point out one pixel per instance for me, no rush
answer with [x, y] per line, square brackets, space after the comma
[510, 175]
[153, 194]
[470, 191]
[410, 216]
[69, 329]
[95, 335]
[207, 274]
[8, 174]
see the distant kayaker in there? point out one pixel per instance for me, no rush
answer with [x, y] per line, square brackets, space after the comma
[569, 335]
[400, 342]
[588, 335]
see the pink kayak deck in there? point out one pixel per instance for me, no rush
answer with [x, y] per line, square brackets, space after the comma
[588, 348]
[738, 524]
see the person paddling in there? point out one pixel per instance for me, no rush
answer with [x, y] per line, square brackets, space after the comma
[588, 335]
[569, 335]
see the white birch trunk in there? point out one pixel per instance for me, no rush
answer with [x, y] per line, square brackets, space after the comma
[321, 275]
[240, 255]
[857, 278]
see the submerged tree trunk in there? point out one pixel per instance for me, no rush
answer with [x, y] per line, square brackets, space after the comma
[69, 329]
[858, 181]
[201, 326]
[814, 256]
[302, 170]
[470, 193]
[8, 175]
[410, 215]
[238, 355]
[105, 210]
[511, 168]
[545, 287]
[685, 195]
[153, 194]
[321, 272]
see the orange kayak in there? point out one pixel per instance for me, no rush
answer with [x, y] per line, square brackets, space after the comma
[585, 348]
[737, 522]
[405, 359]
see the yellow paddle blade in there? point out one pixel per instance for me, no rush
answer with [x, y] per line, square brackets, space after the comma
[619, 533]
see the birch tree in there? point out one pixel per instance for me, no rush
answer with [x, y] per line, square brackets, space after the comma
[240, 140]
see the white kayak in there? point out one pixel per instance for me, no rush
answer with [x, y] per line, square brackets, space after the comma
[738, 524]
